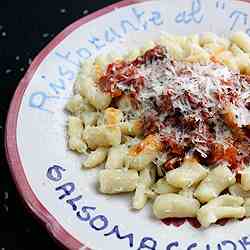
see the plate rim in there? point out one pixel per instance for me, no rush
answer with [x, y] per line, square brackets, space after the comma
[30, 200]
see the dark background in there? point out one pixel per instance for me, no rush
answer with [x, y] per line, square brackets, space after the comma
[25, 28]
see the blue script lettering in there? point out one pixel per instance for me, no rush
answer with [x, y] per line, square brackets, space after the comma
[148, 243]
[67, 188]
[156, 18]
[111, 35]
[56, 87]
[99, 219]
[238, 16]
[67, 58]
[38, 100]
[194, 245]
[194, 15]
[83, 53]
[69, 74]
[54, 173]
[127, 25]
[72, 202]
[139, 16]
[229, 242]
[85, 216]
[116, 231]
[172, 244]
[97, 42]
[244, 242]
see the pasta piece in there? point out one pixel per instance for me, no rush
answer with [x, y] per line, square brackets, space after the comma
[112, 116]
[78, 104]
[227, 59]
[75, 130]
[236, 50]
[188, 192]
[187, 175]
[175, 206]
[150, 194]
[243, 62]
[237, 190]
[114, 181]
[140, 197]
[96, 158]
[217, 180]
[194, 39]
[225, 206]
[142, 154]
[101, 63]
[147, 176]
[89, 118]
[162, 187]
[247, 207]
[208, 38]
[214, 49]
[214, 43]
[86, 69]
[145, 181]
[116, 157]
[93, 94]
[242, 40]
[197, 54]
[245, 179]
[173, 48]
[102, 136]
[132, 127]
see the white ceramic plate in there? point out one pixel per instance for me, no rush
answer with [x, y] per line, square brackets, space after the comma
[49, 177]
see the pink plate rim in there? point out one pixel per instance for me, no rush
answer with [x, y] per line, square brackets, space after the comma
[52, 225]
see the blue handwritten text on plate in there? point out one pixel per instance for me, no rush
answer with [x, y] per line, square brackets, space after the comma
[85, 212]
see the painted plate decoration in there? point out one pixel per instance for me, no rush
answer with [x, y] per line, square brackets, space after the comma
[49, 177]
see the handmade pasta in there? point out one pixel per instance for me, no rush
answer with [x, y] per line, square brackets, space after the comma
[141, 155]
[75, 130]
[188, 174]
[237, 190]
[175, 206]
[163, 187]
[114, 181]
[102, 136]
[132, 128]
[116, 157]
[169, 122]
[242, 40]
[247, 207]
[89, 118]
[95, 158]
[144, 182]
[225, 206]
[94, 95]
[217, 180]
[245, 179]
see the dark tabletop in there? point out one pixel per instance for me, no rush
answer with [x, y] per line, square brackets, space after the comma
[25, 28]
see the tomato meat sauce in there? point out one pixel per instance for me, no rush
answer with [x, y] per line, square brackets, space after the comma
[196, 109]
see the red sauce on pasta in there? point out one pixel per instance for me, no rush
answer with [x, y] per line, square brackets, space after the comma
[199, 109]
